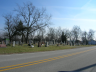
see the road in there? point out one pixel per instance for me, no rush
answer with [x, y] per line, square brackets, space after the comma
[78, 59]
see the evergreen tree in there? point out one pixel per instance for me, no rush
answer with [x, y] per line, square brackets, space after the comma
[20, 28]
[63, 37]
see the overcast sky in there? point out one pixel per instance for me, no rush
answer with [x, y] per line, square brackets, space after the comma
[65, 13]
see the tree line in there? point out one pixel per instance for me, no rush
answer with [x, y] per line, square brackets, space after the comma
[74, 35]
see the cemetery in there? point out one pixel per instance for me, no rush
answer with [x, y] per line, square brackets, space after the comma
[39, 40]
[38, 46]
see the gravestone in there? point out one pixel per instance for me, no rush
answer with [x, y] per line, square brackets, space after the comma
[39, 44]
[46, 45]
[7, 41]
[60, 43]
[32, 46]
[64, 43]
[42, 42]
[3, 42]
[53, 41]
[49, 43]
[56, 42]
[13, 43]
[2, 45]
[30, 42]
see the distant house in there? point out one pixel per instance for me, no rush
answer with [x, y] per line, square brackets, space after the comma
[92, 42]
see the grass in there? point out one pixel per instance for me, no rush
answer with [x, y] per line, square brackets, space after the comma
[27, 49]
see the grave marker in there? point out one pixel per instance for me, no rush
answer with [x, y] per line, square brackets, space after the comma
[46, 45]
[7, 41]
[53, 41]
[32, 46]
[39, 44]
[13, 43]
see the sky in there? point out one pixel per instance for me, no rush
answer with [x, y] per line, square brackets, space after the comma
[65, 13]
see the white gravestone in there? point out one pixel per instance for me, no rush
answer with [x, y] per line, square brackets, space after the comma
[13, 43]
[32, 46]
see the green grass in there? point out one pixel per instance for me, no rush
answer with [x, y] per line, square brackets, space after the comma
[27, 49]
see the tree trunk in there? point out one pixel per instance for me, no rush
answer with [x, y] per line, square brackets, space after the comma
[22, 36]
[27, 37]
[9, 38]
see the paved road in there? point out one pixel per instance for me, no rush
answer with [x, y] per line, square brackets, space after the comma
[79, 59]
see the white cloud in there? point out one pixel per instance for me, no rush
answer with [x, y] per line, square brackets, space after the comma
[93, 20]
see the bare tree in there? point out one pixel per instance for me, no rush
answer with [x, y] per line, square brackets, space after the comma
[70, 35]
[34, 18]
[84, 37]
[58, 34]
[9, 26]
[76, 32]
[51, 33]
[32, 35]
[91, 34]
[67, 33]
[41, 34]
